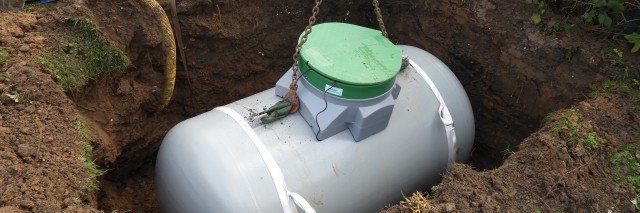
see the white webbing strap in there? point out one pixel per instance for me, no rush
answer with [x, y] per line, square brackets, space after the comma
[443, 112]
[276, 173]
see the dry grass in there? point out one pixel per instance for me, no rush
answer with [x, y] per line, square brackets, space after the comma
[418, 202]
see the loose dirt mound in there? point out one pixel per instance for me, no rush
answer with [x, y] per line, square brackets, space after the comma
[552, 173]
[514, 75]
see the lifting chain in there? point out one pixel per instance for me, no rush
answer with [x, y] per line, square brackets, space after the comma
[376, 6]
[307, 31]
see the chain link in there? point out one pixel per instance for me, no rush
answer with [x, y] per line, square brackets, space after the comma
[376, 6]
[305, 36]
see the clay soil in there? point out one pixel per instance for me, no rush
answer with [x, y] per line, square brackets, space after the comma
[514, 73]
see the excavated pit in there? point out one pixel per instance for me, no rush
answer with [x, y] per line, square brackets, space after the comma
[513, 75]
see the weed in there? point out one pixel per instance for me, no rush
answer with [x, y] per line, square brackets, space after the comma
[629, 89]
[84, 57]
[5, 52]
[15, 97]
[570, 127]
[435, 192]
[8, 77]
[633, 38]
[559, 27]
[90, 180]
[569, 124]
[627, 165]
[507, 152]
[4, 57]
[418, 202]
[542, 8]
[608, 86]
[610, 17]
[593, 141]
[615, 56]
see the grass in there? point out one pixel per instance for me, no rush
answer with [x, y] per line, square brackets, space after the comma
[626, 162]
[593, 141]
[4, 57]
[628, 89]
[626, 165]
[435, 192]
[84, 57]
[5, 52]
[92, 171]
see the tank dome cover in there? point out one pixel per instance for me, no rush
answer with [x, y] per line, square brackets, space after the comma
[360, 62]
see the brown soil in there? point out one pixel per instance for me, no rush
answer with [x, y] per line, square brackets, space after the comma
[514, 75]
[550, 174]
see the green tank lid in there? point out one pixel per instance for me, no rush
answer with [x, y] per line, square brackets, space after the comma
[355, 62]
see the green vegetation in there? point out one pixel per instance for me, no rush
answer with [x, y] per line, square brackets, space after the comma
[571, 128]
[435, 192]
[426, 4]
[626, 162]
[84, 57]
[5, 52]
[4, 57]
[615, 56]
[542, 8]
[634, 38]
[626, 165]
[15, 97]
[610, 17]
[629, 89]
[601, 10]
[90, 180]
[592, 140]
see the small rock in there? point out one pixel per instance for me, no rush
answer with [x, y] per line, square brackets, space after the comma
[24, 48]
[26, 131]
[41, 21]
[450, 207]
[27, 204]
[36, 40]
[4, 129]
[7, 155]
[25, 151]
[124, 87]
[4, 98]
[10, 209]
[30, 109]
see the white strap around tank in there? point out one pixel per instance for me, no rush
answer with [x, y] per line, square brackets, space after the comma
[284, 194]
[443, 112]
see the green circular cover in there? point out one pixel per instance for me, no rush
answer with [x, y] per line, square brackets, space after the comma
[355, 62]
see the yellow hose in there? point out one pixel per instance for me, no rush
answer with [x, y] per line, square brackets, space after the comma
[169, 47]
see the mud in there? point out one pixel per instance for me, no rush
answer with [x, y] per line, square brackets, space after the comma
[514, 75]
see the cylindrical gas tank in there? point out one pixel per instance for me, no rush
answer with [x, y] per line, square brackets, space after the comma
[224, 161]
